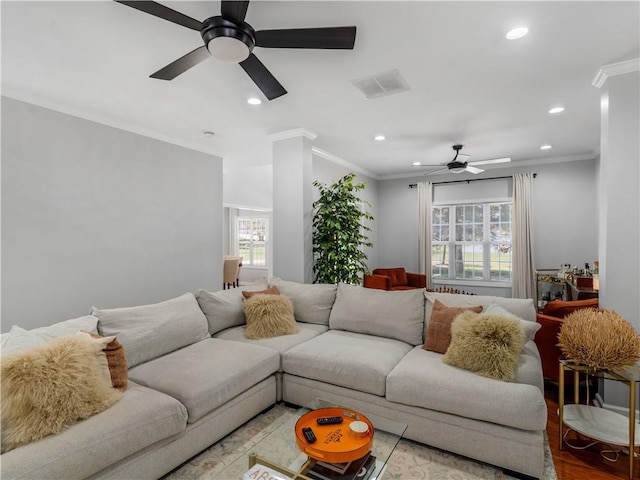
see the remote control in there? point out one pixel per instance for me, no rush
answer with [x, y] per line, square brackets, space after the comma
[308, 434]
[329, 420]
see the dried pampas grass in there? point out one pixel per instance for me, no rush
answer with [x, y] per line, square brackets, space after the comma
[599, 338]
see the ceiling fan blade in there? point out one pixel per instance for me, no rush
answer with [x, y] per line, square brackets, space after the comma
[474, 170]
[462, 157]
[166, 13]
[489, 162]
[183, 64]
[325, 38]
[442, 170]
[262, 77]
[234, 11]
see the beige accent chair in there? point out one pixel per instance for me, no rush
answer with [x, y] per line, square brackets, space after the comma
[231, 271]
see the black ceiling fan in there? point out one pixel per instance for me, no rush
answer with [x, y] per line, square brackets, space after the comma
[461, 164]
[229, 38]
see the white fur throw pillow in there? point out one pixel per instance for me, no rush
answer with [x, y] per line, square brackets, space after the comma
[269, 316]
[486, 344]
[48, 388]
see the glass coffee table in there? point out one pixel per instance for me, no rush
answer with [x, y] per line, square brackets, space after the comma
[278, 449]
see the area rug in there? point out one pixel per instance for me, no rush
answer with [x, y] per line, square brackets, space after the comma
[409, 461]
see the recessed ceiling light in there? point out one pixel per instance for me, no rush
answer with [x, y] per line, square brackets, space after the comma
[556, 110]
[517, 32]
[545, 147]
[379, 138]
[415, 164]
[254, 101]
[208, 134]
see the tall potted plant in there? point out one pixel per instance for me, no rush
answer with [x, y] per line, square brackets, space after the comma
[339, 235]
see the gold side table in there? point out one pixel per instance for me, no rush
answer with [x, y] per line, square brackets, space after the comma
[598, 423]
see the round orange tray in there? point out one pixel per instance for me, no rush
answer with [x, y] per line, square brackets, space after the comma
[334, 443]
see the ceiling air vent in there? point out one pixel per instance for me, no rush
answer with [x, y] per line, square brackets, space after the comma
[381, 85]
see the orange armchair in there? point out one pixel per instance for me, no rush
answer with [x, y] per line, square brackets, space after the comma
[551, 320]
[394, 279]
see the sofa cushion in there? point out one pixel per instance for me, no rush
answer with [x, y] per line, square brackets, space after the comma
[281, 344]
[347, 359]
[149, 331]
[520, 307]
[529, 370]
[18, 338]
[530, 328]
[438, 336]
[311, 302]
[486, 344]
[392, 314]
[422, 380]
[223, 309]
[48, 388]
[269, 316]
[207, 374]
[141, 418]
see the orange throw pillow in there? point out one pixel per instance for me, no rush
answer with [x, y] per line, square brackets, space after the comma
[268, 291]
[117, 363]
[438, 335]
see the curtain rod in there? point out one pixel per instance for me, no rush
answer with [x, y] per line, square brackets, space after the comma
[415, 185]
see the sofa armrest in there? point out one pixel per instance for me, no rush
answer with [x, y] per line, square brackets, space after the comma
[377, 281]
[417, 280]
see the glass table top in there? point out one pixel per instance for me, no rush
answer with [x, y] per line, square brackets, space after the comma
[626, 374]
[279, 445]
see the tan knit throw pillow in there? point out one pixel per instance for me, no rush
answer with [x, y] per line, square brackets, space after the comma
[269, 316]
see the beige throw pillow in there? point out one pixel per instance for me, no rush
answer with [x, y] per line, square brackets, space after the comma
[269, 316]
[48, 388]
[486, 344]
[438, 335]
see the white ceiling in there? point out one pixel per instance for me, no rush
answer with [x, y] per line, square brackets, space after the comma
[468, 84]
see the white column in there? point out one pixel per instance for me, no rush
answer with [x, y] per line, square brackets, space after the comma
[293, 205]
[619, 202]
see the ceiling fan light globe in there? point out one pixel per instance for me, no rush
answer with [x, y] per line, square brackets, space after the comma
[228, 49]
[457, 169]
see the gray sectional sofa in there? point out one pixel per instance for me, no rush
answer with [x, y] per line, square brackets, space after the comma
[194, 378]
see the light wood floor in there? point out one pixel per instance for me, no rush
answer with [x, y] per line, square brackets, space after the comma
[581, 464]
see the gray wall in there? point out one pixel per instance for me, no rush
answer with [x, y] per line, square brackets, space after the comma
[565, 218]
[93, 215]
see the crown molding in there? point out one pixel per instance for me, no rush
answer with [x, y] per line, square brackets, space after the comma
[294, 133]
[97, 117]
[344, 163]
[613, 69]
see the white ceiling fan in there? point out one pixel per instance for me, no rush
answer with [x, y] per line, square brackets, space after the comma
[461, 164]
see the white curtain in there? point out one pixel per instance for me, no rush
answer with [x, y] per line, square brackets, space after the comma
[425, 201]
[522, 242]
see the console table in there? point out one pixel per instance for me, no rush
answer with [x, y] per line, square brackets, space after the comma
[598, 423]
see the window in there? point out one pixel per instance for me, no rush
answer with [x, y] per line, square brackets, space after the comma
[471, 242]
[251, 238]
